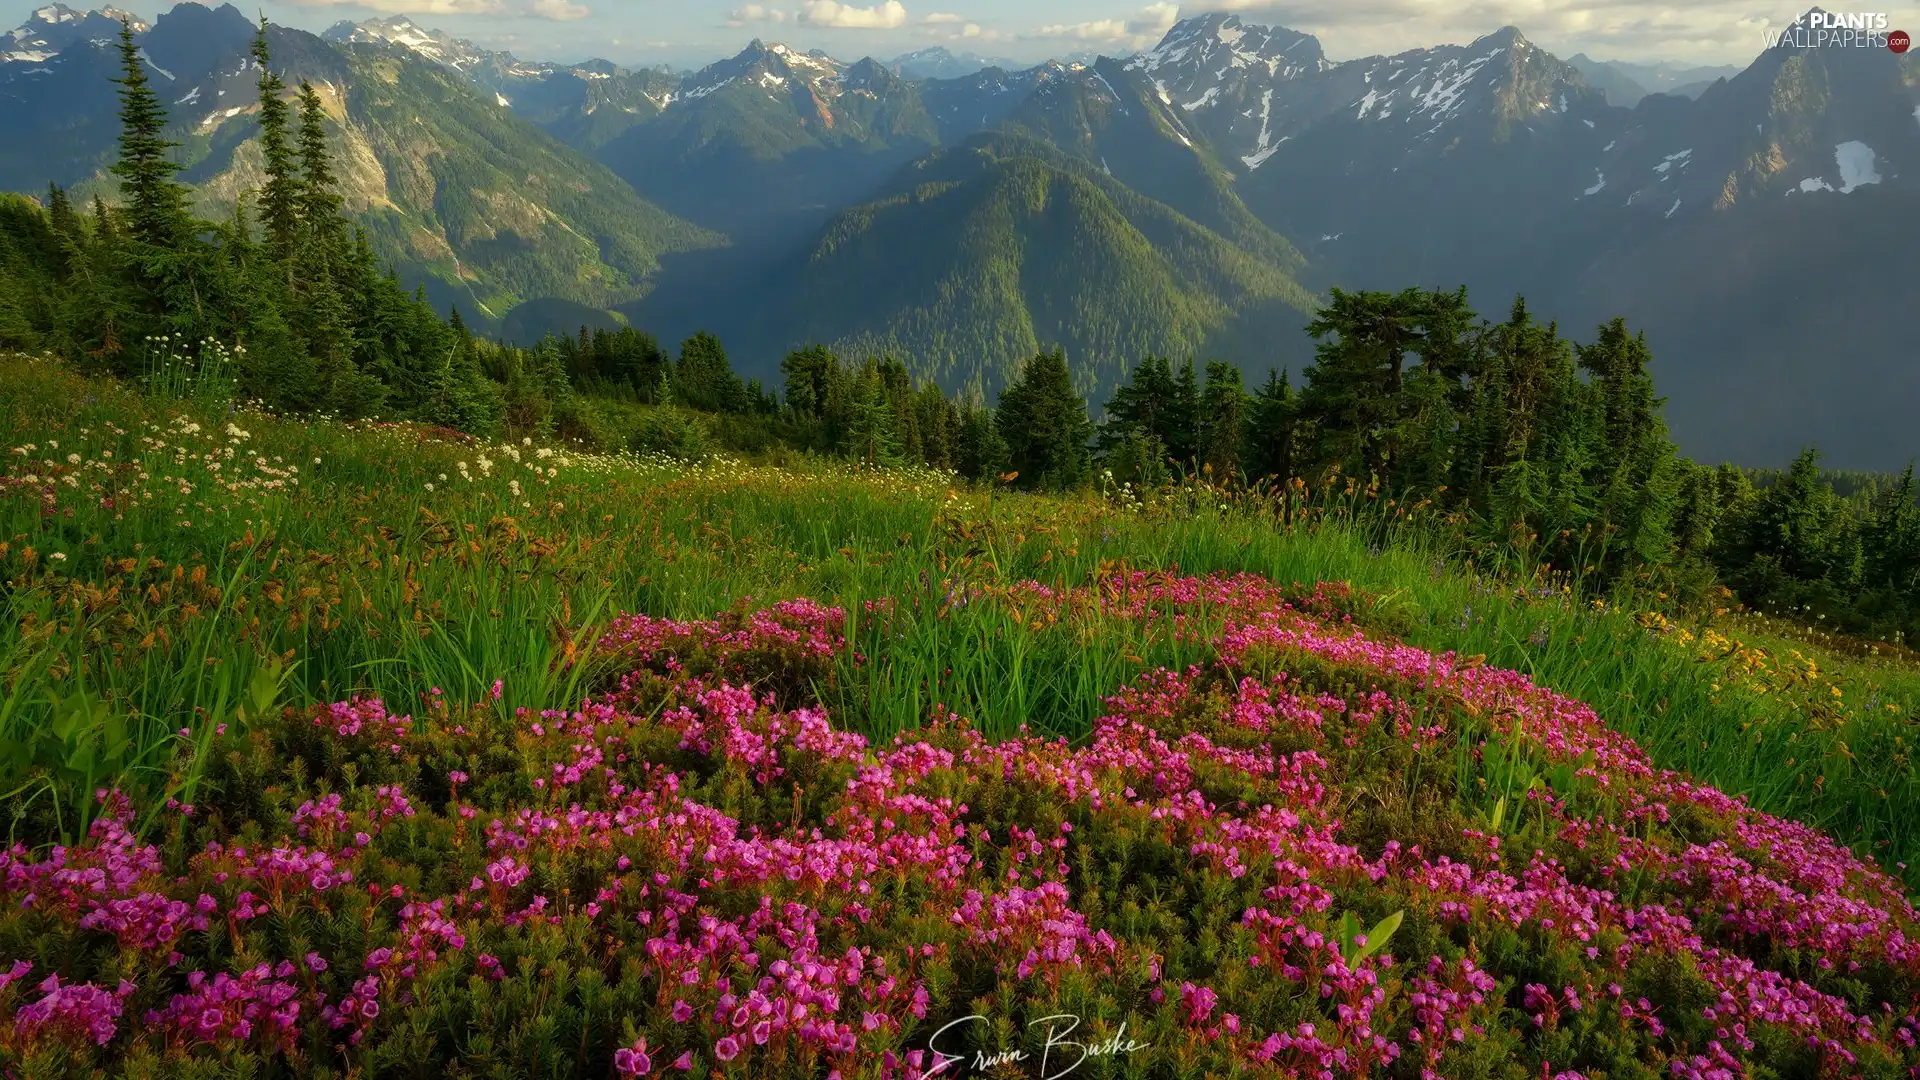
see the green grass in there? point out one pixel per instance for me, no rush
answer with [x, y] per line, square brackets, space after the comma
[359, 580]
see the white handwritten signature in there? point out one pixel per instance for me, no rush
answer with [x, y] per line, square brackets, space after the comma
[1055, 1051]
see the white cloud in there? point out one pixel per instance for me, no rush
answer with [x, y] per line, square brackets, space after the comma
[407, 7]
[564, 10]
[890, 15]
[1143, 30]
[755, 13]
[560, 9]
[943, 18]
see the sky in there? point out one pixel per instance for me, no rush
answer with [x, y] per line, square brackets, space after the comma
[694, 32]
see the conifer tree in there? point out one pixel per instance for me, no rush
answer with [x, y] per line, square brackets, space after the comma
[60, 213]
[979, 451]
[1637, 485]
[319, 198]
[156, 203]
[703, 379]
[1352, 396]
[280, 195]
[1223, 415]
[938, 422]
[808, 373]
[1182, 427]
[1892, 538]
[1043, 421]
[1271, 444]
[873, 429]
[1144, 403]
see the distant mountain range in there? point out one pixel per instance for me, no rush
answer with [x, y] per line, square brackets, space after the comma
[1194, 199]
[1625, 84]
[938, 62]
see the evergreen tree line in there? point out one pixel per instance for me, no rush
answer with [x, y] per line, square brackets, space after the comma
[317, 325]
[1542, 451]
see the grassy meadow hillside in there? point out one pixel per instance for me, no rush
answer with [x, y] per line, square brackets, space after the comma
[378, 749]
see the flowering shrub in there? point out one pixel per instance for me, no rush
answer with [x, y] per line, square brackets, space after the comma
[1314, 854]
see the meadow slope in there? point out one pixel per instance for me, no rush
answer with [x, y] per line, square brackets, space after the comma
[512, 760]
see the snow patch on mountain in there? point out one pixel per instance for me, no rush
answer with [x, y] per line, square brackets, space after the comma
[1668, 162]
[1856, 160]
[54, 28]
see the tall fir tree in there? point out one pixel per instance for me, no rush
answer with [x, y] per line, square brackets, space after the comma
[1271, 442]
[1182, 428]
[1223, 427]
[319, 200]
[280, 195]
[156, 203]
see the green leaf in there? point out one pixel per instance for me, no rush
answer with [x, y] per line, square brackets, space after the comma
[1378, 937]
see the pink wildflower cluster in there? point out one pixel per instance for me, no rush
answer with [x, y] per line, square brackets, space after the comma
[367, 719]
[798, 895]
[71, 1011]
[234, 1009]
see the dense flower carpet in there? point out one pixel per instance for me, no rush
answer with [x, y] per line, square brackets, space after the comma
[1318, 854]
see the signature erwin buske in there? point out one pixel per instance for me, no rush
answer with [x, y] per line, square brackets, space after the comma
[1049, 1056]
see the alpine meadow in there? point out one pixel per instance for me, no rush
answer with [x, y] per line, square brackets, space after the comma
[1209, 562]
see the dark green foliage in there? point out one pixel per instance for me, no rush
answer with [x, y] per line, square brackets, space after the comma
[156, 202]
[979, 451]
[1043, 421]
[279, 196]
[703, 380]
[1271, 445]
[1223, 421]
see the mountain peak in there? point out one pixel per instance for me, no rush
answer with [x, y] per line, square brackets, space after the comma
[1506, 37]
[53, 27]
[1218, 42]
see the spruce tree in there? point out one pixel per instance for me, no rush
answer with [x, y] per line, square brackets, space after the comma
[979, 451]
[1352, 395]
[1636, 485]
[1145, 402]
[808, 372]
[1043, 421]
[318, 200]
[60, 213]
[281, 194]
[1182, 426]
[156, 203]
[1223, 415]
[703, 379]
[1271, 443]
[873, 429]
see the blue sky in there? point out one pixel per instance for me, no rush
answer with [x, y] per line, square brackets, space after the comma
[697, 31]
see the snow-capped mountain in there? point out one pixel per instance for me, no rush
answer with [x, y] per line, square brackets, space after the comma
[939, 62]
[484, 65]
[1253, 88]
[1797, 123]
[50, 29]
[775, 69]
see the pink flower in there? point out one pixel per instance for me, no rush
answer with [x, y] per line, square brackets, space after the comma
[726, 1049]
[633, 1060]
